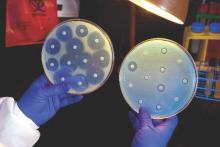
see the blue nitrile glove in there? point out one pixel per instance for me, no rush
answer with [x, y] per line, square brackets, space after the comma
[42, 100]
[151, 133]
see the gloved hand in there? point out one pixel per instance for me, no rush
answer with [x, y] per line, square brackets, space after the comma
[151, 133]
[42, 100]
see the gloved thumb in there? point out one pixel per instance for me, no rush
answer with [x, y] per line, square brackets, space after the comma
[145, 118]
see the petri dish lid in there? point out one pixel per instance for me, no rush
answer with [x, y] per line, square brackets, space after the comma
[158, 74]
[79, 52]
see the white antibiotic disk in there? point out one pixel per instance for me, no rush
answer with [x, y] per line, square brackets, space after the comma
[152, 76]
[78, 52]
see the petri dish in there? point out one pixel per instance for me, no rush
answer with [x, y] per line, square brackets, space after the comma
[158, 74]
[79, 52]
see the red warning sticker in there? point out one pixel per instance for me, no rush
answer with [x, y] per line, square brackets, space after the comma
[29, 21]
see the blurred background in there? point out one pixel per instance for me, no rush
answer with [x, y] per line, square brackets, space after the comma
[101, 119]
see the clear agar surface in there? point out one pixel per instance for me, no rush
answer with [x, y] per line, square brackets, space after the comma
[158, 74]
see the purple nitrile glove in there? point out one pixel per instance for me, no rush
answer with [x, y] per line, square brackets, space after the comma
[151, 133]
[42, 100]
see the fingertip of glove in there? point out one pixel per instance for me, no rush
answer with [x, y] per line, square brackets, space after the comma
[79, 97]
[144, 110]
[65, 86]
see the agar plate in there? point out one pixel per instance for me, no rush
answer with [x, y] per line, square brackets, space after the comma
[79, 52]
[158, 74]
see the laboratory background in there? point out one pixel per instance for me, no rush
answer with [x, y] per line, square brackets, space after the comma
[101, 119]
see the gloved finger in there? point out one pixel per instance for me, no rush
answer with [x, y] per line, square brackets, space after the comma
[157, 122]
[134, 120]
[42, 81]
[70, 100]
[169, 124]
[56, 90]
[145, 118]
[64, 95]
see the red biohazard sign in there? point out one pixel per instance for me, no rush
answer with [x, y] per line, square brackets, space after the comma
[29, 21]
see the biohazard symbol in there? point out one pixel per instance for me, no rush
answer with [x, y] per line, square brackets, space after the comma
[38, 5]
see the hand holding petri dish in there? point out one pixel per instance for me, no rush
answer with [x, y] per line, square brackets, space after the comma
[158, 74]
[79, 52]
